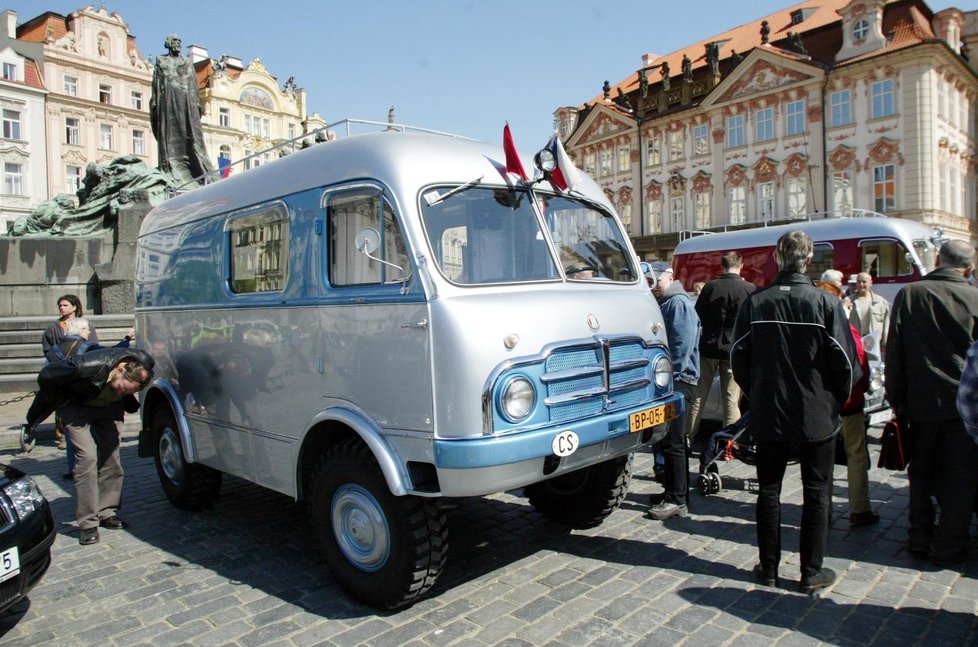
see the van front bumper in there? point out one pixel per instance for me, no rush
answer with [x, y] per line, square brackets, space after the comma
[477, 466]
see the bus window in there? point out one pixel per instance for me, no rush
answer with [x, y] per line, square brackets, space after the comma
[824, 256]
[884, 258]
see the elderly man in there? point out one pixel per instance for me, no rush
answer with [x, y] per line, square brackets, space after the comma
[870, 312]
[683, 333]
[92, 391]
[933, 324]
[794, 355]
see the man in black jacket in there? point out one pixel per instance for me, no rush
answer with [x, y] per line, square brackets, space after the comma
[933, 323]
[794, 355]
[717, 306]
[92, 391]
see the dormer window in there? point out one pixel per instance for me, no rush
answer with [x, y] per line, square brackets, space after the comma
[860, 30]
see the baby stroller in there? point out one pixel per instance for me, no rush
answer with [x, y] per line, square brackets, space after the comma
[732, 442]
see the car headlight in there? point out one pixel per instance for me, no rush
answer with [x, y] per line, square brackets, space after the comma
[25, 495]
[517, 399]
[663, 372]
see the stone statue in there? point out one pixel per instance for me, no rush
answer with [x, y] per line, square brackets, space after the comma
[290, 86]
[665, 76]
[103, 188]
[713, 57]
[795, 44]
[687, 68]
[174, 112]
[765, 32]
[622, 101]
[320, 137]
[606, 88]
[643, 83]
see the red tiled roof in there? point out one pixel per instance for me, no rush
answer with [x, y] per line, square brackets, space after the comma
[36, 29]
[904, 19]
[32, 76]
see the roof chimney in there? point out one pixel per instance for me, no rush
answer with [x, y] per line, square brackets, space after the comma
[649, 59]
[10, 22]
[197, 53]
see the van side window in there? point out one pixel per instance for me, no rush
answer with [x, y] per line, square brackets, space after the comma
[884, 258]
[259, 251]
[823, 259]
[348, 214]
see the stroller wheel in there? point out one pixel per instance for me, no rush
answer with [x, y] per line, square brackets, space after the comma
[709, 483]
[716, 483]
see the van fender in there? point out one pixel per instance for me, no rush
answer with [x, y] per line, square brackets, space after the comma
[390, 464]
[162, 389]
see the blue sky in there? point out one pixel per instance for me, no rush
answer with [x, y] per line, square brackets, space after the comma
[463, 66]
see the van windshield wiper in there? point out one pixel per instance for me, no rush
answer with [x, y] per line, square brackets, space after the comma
[464, 187]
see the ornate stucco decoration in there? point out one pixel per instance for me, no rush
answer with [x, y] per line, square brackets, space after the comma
[653, 190]
[842, 158]
[736, 175]
[702, 182]
[884, 151]
[765, 170]
[762, 77]
[796, 165]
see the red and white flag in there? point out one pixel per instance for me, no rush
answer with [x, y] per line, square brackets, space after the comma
[565, 175]
[513, 163]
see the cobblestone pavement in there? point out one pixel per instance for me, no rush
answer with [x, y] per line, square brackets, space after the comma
[244, 573]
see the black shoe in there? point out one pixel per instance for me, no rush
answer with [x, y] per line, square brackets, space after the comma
[823, 579]
[764, 578]
[113, 523]
[857, 519]
[68, 476]
[88, 536]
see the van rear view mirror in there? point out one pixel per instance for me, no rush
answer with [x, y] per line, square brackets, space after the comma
[367, 240]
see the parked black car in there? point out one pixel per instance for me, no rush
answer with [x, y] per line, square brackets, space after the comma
[26, 534]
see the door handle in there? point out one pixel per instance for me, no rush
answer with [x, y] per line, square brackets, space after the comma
[423, 324]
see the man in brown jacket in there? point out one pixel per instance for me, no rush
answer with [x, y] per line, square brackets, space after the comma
[933, 323]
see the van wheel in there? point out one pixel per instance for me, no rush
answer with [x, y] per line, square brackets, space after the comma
[584, 497]
[188, 486]
[385, 550]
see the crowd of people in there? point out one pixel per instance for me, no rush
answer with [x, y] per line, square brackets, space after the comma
[795, 353]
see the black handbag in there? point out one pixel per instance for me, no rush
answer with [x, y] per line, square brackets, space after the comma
[893, 446]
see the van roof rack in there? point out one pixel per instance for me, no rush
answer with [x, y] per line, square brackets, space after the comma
[807, 217]
[348, 127]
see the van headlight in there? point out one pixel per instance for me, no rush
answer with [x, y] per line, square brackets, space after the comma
[517, 399]
[663, 372]
[25, 495]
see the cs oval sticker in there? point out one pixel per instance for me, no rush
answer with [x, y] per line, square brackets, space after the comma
[565, 443]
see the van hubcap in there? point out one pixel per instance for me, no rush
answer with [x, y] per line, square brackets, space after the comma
[360, 527]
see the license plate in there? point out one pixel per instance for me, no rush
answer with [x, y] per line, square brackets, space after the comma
[651, 417]
[880, 417]
[9, 563]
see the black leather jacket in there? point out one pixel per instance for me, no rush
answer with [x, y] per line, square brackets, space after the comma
[80, 378]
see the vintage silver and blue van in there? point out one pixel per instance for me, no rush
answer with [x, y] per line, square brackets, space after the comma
[374, 323]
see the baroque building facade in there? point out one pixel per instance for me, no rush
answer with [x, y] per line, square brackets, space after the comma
[835, 107]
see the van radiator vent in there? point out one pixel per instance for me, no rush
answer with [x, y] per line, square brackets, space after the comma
[585, 381]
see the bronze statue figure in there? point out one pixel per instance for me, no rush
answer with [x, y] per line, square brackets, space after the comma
[664, 70]
[174, 112]
[687, 68]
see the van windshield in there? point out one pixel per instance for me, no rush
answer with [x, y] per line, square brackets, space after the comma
[493, 235]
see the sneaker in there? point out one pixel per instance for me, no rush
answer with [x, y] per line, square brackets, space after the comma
[763, 578]
[667, 509]
[113, 523]
[821, 580]
[868, 518]
[88, 536]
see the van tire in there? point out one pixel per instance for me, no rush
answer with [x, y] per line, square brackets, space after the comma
[403, 540]
[188, 486]
[584, 497]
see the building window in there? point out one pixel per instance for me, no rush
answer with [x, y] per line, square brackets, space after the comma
[10, 71]
[952, 185]
[735, 131]
[624, 158]
[589, 164]
[860, 30]
[884, 187]
[842, 192]
[702, 207]
[138, 142]
[676, 146]
[701, 139]
[795, 113]
[105, 137]
[737, 205]
[942, 186]
[11, 124]
[136, 100]
[105, 93]
[764, 125]
[72, 131]
[677, 211]
[73, 177]
[841, 108]
[13, 179]
[797, 197]
[882, 92]
[605, 168]
[765, 201]
[653, 210]
[625, 213]
[941, 98]
[291, 131]
[653, 152]
[71, 86]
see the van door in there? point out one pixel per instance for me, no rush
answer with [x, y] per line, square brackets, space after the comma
[376, 348]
